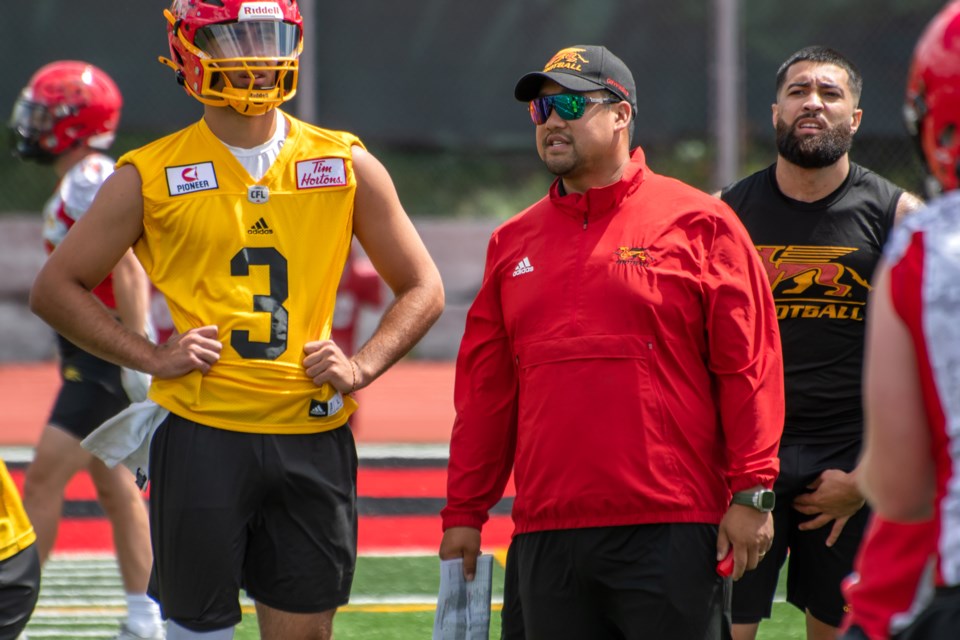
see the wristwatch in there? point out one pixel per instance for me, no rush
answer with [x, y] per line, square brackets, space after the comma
[761, 500]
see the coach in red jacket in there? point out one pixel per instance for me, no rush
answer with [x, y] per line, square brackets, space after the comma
[622, 358]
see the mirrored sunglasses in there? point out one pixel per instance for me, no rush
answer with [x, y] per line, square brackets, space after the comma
[569, 106]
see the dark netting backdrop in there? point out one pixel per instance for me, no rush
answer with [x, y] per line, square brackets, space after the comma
[428, 84]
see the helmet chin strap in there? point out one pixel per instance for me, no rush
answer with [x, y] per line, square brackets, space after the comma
[249, 109]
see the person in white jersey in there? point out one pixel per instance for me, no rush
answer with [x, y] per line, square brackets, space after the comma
[910, 472]
[65, 118]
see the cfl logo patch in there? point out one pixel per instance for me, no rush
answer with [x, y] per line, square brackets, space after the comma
[257, 194]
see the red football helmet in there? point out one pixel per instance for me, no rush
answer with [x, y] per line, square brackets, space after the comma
[222, 49]
[65, 104]
[932, 108]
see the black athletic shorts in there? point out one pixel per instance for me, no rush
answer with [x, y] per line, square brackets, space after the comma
[642, 581]
[90, 394]
[273, 514]
[816, 570]
[939, 621]
[19, 590]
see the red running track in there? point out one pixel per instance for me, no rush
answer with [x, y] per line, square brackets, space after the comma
[411, 403]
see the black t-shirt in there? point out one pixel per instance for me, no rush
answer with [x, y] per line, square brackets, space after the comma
[820, 258]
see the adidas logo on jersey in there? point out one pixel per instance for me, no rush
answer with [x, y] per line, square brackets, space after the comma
[260, 226]
[319, 409]
[523, 267]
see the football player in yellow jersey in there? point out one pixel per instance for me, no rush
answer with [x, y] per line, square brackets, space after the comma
[243, 221]
[19, 560]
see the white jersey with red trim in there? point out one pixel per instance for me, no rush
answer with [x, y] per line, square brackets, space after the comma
[70, 200]
[925, 248]
[73, 197]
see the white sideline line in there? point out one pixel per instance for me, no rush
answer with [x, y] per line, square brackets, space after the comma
[438, 451]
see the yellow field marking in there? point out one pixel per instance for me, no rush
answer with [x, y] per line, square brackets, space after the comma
[397, 608]
[46, 612]
[500, 555]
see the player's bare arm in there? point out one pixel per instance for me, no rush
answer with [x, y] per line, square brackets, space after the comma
[93, 247]
[391, 242]
[131, 288]
[908, 203]
[895, 436]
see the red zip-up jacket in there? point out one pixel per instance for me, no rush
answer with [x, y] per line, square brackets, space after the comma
[622, 357]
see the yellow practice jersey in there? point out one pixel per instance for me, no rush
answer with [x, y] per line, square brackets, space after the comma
[261, 260]
[16, 532]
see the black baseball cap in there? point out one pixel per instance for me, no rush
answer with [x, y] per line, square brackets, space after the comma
[582, 67]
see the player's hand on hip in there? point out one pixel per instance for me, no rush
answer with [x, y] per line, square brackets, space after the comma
[462, 542]
[325, 362]
[834, 495]
[194, 350]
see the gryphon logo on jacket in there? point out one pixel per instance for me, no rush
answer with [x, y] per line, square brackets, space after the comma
[639, 256]
[811, 282]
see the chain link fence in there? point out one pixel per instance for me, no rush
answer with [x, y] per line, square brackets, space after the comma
[428, 84]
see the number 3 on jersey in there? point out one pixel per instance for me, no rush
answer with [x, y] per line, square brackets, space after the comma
[271, 303]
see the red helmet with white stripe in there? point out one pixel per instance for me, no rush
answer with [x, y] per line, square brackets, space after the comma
[239, 53]
[65, 104]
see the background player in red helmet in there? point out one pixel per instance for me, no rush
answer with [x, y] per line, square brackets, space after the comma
[243, 221]
[907, 584]
[66, 117]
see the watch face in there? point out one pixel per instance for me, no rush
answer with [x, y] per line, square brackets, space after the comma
[766, 500]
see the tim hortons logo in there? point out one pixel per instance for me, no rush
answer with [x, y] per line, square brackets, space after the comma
[321, 172]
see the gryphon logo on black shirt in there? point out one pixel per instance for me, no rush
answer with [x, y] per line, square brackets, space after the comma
[811, 282]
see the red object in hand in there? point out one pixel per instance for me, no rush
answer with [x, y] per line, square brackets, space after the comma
[725, 566]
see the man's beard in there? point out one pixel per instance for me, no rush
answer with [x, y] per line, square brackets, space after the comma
[813, 152]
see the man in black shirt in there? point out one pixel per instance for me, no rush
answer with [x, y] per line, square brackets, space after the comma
[819, 222]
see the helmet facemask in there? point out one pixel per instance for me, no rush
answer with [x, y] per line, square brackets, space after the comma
[31, 131]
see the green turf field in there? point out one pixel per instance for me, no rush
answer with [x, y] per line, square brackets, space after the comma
[393, 599]
[405, 579]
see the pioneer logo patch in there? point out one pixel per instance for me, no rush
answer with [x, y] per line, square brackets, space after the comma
[321, 172]
[191, 178]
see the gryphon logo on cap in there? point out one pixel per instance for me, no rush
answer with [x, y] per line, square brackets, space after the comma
[569, 58]
[190, 178]
[259, 11]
